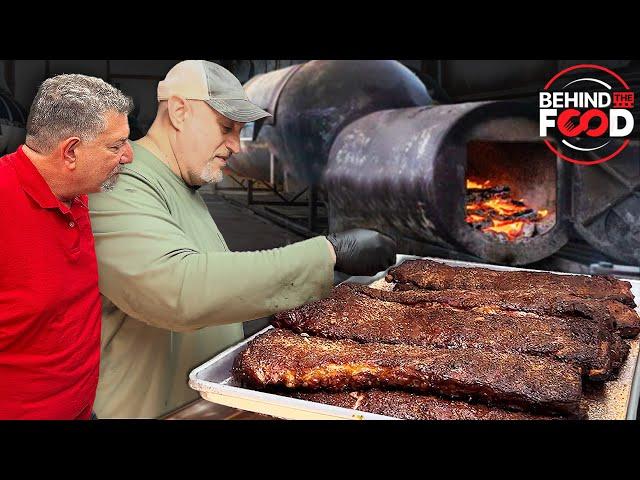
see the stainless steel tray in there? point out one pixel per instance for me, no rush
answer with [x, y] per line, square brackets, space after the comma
[214, 382]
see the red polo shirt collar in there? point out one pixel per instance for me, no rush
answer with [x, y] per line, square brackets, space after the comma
[36, 187]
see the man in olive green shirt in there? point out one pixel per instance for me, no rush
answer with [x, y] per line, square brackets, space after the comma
[173, 293]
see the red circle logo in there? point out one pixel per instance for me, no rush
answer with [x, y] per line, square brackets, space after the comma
[589, 112]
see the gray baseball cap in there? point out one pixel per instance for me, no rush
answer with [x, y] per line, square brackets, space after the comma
[208, 81]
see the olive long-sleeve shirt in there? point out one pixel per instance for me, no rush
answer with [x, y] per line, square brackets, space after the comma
[173, 293]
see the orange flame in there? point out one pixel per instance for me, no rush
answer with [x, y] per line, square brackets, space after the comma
[510, 228]
[494, 209]
[472, 184]
[503, 206]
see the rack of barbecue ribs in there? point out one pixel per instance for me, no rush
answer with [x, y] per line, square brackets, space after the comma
[281, 358]
[413, 406]
[450, 343]
[618, 316]
[359, 313]
[430, 275]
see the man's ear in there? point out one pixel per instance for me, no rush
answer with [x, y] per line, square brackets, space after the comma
[68, 150]
[178, 109]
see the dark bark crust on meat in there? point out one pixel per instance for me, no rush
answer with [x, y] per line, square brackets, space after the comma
[369, 315]
[413, 406]
[432, 275]
[281, 358]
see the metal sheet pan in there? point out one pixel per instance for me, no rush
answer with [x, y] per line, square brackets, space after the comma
[213, 380]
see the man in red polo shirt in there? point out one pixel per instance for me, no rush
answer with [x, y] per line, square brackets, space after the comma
[50, 308]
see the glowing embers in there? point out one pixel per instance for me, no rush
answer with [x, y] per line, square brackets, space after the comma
[491, 209]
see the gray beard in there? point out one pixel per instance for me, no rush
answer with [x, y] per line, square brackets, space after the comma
[109, 184]
[208, 175]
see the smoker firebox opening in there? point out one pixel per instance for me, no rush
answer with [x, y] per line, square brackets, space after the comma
[511, 189]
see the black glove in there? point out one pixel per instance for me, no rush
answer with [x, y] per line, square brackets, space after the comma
[362, 252]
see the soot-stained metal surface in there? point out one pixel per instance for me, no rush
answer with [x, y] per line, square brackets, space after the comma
[403, 171]
[312, 103]
[606, 204]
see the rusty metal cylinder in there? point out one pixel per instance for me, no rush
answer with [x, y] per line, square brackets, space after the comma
[311, 103]
[404, 172]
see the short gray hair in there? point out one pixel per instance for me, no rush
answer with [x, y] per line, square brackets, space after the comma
[72, 105]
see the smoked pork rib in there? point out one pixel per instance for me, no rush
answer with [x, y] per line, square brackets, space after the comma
[282, 358]
[619, 352]
[348, 313]
[625, 319]
[617, 316]
[413, 406]
[432, 275]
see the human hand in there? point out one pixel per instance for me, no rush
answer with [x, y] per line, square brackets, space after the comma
[362, 252]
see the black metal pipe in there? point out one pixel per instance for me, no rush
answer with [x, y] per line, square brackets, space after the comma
[403, 171]
[311, 103]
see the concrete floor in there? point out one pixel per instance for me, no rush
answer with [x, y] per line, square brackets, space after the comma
[244, 231]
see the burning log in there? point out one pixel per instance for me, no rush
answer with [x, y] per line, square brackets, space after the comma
[492, 210]
[475, 195]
